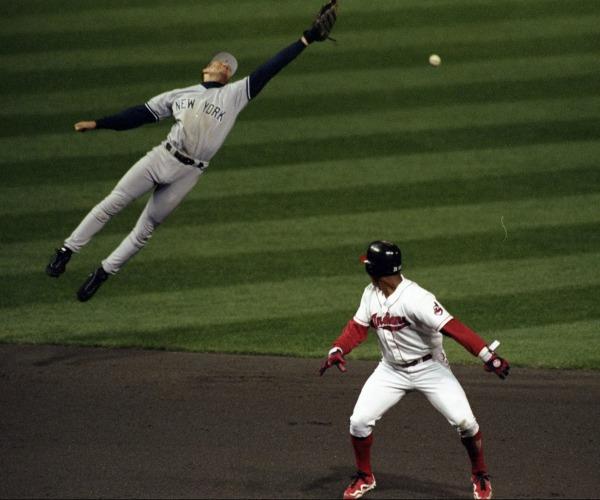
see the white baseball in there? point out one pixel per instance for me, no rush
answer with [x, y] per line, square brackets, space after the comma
[435, 60]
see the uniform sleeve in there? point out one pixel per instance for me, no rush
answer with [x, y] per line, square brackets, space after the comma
[161, 106]
[133, 117]
[352, 335]
[464, 336]
[428, 312]
[363, 314]
[261, 76]
[239, 93]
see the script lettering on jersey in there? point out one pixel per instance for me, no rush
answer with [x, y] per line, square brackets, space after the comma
[387, 322]
[184, 103]
[215, 111]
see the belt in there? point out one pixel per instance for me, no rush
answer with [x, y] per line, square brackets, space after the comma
[416, 361]
[182, 158]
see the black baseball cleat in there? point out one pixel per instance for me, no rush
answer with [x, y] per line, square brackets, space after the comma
[58, 263]
[91, 284]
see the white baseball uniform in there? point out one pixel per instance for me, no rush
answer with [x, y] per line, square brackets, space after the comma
[408, 325]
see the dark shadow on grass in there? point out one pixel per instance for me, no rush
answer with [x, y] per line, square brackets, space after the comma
[484, 312]
[64, 79]
[342, 102]
[58, 224]
[147, 274]
[344, 147]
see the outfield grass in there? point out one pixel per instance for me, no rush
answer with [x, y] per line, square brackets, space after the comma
[484, 170]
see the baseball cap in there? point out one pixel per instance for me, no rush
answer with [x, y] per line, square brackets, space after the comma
[227, 58]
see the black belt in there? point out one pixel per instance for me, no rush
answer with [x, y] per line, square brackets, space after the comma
[416, 361]
[182, 158]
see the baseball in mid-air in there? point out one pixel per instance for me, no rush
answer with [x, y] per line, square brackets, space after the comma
[435, 60]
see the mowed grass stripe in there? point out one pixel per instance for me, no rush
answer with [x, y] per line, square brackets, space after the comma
[489, 297]
[312, 335]
[352, 81]
[65, 79]
[407, 42]
[232, 240]
[405, 138]
[90, 7]
[332, 201]
[355, 14]
[252, 51]
[428, 120]
[77, 191]
[582, 351]
[157, 272]
[572, 95]
[102, 172]
[145, 26]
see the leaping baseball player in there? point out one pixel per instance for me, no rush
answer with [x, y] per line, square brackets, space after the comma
[204, 115]
[410, 324]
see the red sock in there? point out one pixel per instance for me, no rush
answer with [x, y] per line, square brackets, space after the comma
[362, 452]
[474, 448]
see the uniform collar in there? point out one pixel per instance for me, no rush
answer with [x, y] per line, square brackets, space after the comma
[212, 85]
[389, 301]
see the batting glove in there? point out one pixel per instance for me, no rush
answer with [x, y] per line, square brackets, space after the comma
[497, 365]
[336, 358]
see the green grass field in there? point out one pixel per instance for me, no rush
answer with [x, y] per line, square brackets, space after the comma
[485, 171]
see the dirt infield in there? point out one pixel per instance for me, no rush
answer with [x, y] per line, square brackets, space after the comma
[98, 423]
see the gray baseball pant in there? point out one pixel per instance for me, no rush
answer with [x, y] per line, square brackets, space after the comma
[171, 180]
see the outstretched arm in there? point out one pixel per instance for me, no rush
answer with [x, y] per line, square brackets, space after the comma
[352, 335]
[464, 336]
[319, 31]
[261, 76]
[133, 117]
[476, 346]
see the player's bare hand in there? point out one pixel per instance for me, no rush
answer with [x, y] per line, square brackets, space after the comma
[335, 358]
[84, 126]
[498, 365]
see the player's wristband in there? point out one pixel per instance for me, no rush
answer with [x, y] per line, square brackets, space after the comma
[333, 350]
[485, 354]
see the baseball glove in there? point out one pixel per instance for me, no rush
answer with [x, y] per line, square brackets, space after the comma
[323, 23]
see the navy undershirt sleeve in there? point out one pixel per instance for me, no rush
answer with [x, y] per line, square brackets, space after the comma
[127, 119]
[261, 76]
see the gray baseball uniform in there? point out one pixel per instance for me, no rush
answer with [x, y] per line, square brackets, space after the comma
[204, 115]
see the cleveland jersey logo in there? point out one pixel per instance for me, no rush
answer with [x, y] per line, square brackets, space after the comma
[437, 309]
[391, 323]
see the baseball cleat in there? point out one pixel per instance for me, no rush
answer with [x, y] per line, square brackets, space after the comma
[482, 487]
[58, 263]
[91, 284]
[361, 483]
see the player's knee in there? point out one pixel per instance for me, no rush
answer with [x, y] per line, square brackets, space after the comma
[467, 428]
[111, 205]
[361, 425]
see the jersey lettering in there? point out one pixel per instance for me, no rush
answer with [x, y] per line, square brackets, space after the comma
[214, 111]
[391, 323]
[184, 104]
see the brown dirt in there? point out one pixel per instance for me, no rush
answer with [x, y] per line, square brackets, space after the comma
[99, 423]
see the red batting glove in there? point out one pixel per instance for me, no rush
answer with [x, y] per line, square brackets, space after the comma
[335, 358]
[497, 365]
